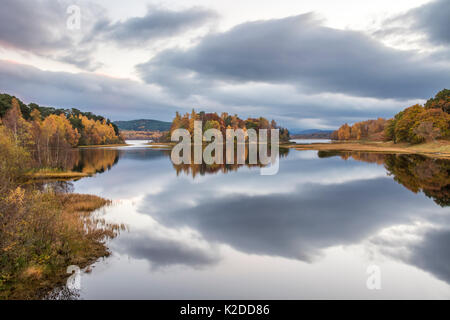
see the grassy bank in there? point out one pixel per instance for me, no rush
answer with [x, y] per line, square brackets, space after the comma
[437, 149]
[105, 145]
[161, 145]
[52, 174]
[42, 235]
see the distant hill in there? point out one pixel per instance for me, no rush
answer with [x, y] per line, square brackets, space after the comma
[309, 131]
[143, 125]
[312, 134]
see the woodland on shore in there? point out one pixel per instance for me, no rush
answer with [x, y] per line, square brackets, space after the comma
[414, 125]
[44, 229]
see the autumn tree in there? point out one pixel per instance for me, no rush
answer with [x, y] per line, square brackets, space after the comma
[440, 101]
[13, 161]
[427, 131]
[408, 125]
[344, 132]
[211, 124]
[224, 122]
[18, 126]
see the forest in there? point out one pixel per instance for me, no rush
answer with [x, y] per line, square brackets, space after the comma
[224, 122]
[142, 135]
[44, 229]
[416, 124]
[49, 134]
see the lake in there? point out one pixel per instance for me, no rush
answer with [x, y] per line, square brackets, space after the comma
[310, 141]
[309, 232]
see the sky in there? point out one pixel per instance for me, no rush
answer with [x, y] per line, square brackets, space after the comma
[306, 64]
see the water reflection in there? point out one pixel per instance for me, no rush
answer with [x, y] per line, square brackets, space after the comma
[95, 160]
[296, 225]
[415, 172]
[188, 230]
[202, 169]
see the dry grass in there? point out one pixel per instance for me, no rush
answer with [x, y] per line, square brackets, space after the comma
[440, 146]
[83, 202]
[438, 149]
[46, 175]
[105, 145]
[43, 234]
[161, 144]
[33, 273]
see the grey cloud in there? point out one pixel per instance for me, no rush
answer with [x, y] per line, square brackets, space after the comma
[33, 25]
[124, 99]
[115, 98]
[157, 23]
[432, 19]
[297, 51]
[333, 109]
[40, 27]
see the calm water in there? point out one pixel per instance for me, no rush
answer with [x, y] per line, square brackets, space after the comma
[310, 231]
[309, 141]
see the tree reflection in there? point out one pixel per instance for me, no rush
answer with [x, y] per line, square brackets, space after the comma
[415, 172]
[202, 169]
[418, 173]
[95, 160]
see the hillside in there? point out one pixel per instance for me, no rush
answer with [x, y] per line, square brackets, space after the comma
[143, 125]
[312, 134]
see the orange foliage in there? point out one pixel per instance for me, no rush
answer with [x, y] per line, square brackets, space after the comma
[365, 130]
[97, 132]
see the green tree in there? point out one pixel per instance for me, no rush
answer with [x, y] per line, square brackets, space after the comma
[440, 101]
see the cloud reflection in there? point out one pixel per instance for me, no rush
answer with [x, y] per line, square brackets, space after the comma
[311, 205]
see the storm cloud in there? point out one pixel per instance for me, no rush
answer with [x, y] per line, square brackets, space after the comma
[430, 20]
[111, 97]
[34, 25]
[41, 27]
[301, 52]
[157, 23]
[125, 99]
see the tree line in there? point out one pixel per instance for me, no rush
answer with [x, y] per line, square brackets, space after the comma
[223, 122]
[49, 134]
[415, 124]
[364, 130]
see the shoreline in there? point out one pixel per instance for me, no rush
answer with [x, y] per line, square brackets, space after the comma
[46, 174]
[59, 176]
[85, 237]
[438, 149]
[103, 146]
